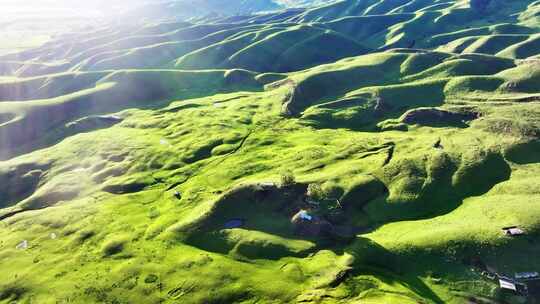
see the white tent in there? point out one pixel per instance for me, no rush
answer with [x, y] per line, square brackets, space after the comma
[505, 284]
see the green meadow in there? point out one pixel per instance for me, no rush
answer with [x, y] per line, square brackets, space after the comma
[168, 161]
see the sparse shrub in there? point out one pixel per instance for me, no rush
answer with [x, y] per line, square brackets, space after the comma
[153, 213]
[315, 191]
[327, 197]
[287, 179]
[332, 191]
[113, 246]
[84, 235]
[151, 278]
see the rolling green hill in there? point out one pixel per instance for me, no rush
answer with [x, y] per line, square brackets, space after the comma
[167, 158]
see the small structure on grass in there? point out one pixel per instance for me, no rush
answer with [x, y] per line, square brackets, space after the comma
[22, 245]
[513, 285]
[507, 284]
[177, 194]
[513, 231]
[302, 215]
[287, 179]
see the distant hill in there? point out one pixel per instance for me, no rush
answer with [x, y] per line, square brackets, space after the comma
[185, 9]
[300, 3]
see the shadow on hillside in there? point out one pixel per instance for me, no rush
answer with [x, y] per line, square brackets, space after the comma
[42, 126]
[269, 210]
[449, 183]
[370, 258]
[406, 193]
[266, 209]
[262, 227]
[405, 104]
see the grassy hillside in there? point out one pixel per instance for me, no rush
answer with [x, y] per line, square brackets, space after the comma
[167, 161]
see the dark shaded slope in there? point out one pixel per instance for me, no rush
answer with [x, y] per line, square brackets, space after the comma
[28, 125]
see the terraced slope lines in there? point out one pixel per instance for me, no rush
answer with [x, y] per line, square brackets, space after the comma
[367, 151]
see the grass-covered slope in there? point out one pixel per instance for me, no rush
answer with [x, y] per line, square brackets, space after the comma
[63, 98]
[291, 40]
[167, 162]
